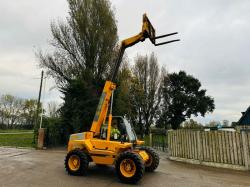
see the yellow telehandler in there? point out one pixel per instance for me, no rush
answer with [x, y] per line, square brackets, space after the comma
[111, 139]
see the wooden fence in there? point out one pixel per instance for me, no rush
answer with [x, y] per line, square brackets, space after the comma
[214, 148]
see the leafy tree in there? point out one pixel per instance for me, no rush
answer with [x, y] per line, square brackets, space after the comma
[182, 97]
[84, 45]
[192, 124]
[80, 101]
[84, 48]
[145, 90]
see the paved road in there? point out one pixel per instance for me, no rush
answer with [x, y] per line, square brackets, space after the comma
[23, 167]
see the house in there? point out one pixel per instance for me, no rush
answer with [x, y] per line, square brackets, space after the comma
[245, 118]
[244, 122]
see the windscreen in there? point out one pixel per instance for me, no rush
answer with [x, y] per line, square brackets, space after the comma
[130, 131]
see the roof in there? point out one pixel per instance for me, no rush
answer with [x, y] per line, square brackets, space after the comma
[244, 116]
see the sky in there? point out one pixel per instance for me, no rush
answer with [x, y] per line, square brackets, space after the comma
[214, 46]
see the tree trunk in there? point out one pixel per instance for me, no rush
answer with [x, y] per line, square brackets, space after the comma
[147, 124]
[141, 126]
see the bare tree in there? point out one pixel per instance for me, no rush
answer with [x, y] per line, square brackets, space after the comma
[11, 109]
[53, 108]
[29, 112]
[225, 123]
[146, 94]
[17, 112]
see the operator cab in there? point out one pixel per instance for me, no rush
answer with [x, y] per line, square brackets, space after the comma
[121, 130]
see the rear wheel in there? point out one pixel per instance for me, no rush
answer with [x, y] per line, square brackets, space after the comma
[153, 161]
[129, 167]
[76, 162]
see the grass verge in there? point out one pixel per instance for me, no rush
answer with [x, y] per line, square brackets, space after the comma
[14, 130]
[17, 140]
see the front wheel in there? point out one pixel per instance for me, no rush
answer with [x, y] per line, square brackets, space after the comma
[129, 167]
[76, 162]
[153, 160]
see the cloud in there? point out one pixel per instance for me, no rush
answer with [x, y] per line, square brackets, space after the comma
[214, 45]
[25, 27]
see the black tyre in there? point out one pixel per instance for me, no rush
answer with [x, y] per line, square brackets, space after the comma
[76, 162]
[101, 165]
[129, 167]
[153, 161]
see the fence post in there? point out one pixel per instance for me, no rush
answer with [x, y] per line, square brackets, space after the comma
[41, 138]
[166, 139]
[150, 139]
[199, 146]
[245, 149]
[169, 142]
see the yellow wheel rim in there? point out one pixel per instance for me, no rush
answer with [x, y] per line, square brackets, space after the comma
[127, 168]
[74, 162]
[149, 161]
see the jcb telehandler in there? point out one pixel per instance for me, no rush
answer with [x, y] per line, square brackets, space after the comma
[114, 142]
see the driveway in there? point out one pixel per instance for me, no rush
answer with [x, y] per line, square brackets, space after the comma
[24, 167]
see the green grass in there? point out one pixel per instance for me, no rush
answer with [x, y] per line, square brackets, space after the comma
[17, 140]
[14, 130]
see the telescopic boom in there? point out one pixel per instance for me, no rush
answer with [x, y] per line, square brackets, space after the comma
[148, 31]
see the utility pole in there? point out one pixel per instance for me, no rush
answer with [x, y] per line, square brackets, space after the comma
[38, 101]
[41, 119]
[41, 131]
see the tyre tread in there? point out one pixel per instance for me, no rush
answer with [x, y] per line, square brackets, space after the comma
[84, 162]
[155, 156]
[140, 168]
